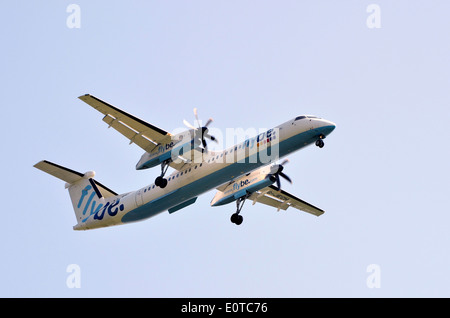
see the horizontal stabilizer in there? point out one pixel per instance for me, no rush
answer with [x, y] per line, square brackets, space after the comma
[71, 176]
[63, 173]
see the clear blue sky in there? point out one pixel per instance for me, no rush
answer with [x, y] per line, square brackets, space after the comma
[382, 177]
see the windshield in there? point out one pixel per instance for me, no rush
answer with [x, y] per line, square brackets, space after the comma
[303, 117]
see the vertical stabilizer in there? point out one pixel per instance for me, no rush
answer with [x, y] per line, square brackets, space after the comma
[87, 195]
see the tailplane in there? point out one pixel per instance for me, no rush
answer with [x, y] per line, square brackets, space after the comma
[87, 195]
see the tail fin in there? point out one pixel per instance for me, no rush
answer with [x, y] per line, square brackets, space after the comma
[85, 192]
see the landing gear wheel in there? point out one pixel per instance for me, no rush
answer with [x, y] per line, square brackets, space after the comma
[236, 219]
[161, 182]
[320, 143]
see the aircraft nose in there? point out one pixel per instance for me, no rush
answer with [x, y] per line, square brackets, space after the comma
[325, 123]
[325, 126]
[331, 125]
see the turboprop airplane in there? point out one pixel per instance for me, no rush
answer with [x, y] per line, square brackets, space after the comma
[245, 171]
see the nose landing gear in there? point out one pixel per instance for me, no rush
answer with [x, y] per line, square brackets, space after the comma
[319, 142]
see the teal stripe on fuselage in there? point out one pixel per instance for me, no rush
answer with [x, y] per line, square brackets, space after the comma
[219, 177]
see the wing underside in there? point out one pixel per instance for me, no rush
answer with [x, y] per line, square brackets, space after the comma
[137, 131]
[143, 134]
[283, 200]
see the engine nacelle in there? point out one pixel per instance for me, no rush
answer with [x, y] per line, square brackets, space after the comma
[176, 146]
[247, 184]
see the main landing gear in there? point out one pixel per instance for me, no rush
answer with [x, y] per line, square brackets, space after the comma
[161, 181]
[319, 142]
[236, 218]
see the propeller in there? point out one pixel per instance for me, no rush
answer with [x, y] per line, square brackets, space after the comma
[202, 130]
[277, 172]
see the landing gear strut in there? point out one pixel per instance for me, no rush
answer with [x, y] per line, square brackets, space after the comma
[236, 218]
[319, 142]
[161, 181]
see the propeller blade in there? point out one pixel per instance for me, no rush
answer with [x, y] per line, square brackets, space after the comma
[201, 132]
[212, 138]
[278, 182]
[196, 116]
[205, 146]
[187, 124]
[208, 122]
[280, 168]
[285, 177]
[285, 161]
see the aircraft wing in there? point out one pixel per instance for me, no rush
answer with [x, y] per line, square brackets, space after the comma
[283, 200]
[141, 133]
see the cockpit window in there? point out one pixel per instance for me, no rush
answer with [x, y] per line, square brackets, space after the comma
[303, 117]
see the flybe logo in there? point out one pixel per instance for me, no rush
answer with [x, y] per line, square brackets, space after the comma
[165, 147]
[98, 210]
[242, 183]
